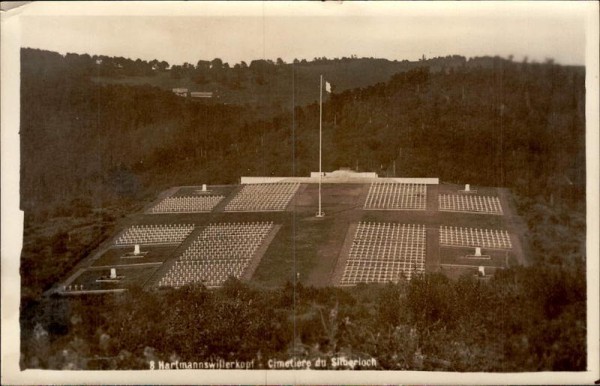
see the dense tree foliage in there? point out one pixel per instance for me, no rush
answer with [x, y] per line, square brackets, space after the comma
[511, 323]
[93, 151]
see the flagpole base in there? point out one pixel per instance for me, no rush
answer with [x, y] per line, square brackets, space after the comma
[320, 214]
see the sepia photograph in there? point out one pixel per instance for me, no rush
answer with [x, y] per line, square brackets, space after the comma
[300, 192]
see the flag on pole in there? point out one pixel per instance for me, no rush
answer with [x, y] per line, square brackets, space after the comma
[327, 86]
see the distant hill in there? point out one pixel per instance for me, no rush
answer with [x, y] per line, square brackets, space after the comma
[262, 83]
[274, 86]
[269, 84]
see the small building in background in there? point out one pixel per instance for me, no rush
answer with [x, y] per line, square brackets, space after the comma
[182, 92]
[201, 94]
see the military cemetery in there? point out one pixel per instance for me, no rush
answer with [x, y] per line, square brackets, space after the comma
[402, 230]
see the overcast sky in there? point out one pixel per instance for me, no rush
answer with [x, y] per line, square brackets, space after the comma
[180, 32]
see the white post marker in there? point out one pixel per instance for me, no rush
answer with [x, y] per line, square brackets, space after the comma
[467, 188]
[136, 249]
[113, 273]
[204, 187]
[482, 270]
[320, 213]
[477, 251]
[328, 89]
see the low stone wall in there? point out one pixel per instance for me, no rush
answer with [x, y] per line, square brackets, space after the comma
[330, 178]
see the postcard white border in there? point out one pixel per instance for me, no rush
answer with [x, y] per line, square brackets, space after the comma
[12, 218]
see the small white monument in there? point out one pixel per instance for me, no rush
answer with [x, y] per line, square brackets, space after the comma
[204, 187]
[137, 253]
[113, 273]
[468, 189]
[481, 270]
[477, 251]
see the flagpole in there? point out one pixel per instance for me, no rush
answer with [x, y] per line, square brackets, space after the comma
[320, 213]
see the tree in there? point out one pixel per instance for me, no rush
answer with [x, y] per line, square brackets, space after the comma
[176, 72]
[216, 64]
[203, 65]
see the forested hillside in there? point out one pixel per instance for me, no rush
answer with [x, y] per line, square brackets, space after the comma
[100, 141]
[264, 83]
[497, 123]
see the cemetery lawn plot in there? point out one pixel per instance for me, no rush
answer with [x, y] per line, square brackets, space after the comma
[293, 250]
[132, 275]
[307, 245]
[455, 273]
[113, 256]
[463, 256]
[215, 190]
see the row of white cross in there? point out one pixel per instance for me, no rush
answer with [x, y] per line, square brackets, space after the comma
[470, 203]
[475, 237]
[219, 251]
[386, 195]
[155, 234]
[211, 273]
[383, 252]
[187, 204]
[263, 197]
[381, 195]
